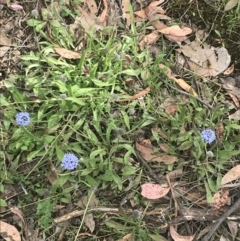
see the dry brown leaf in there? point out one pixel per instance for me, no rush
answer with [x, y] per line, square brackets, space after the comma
[231, 85]
[138, 95]
[160, 132]
[177, 237]
[4, 40]
[164, 147]
[156, 3]
[87, 21]
[68, 54]
[176, 31]
[16, 211]
[180, 82]
[220, 198]
[171, 109]
[104, 12]
[125, 4]
[205, 60]
[141, 13]
[233, 227]
[9, 232]
[153, 191]
[146, 151]
[84, 201]
[231, 4]
[234, 99]
[235, 115]
[220, 130]
[128, 237]
[3, 50]
[52, 175]
[3, 20]
[232, 175]
[151, 10]
[89, 222]
[229, 70]
[92, 6]
[149, 39]
[159, 25]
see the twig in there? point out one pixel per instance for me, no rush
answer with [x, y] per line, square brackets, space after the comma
[144, 164]
[138, 95]
[77, 213]
[220, 220]
[187, 94]
[61, 235]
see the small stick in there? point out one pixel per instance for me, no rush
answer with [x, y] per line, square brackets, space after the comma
[220, 220]
[187, 94]
[144, 164]
[77, 213]
[138, 95]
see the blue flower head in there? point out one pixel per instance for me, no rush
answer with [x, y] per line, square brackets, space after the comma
[69, 161]
[23, 118]
[208, 136]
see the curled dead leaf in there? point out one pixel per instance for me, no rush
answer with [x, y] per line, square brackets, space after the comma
[232, 175]
[149, 39]
[67, 54]
[145, 149]
[179, 81]
[89, 222]
[178, 237]
[176, 31]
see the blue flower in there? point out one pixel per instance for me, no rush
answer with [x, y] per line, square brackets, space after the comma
[69, 161]
[23, 118]
[208, 136]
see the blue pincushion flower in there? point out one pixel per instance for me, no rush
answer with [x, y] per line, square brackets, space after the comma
[208, 136]
[69, 161]
[23, 118]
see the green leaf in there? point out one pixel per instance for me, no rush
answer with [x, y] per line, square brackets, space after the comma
[3, 203]
[126, 119]
[157, 237]
[185, 145]
[1, 187]
[91, 181]
[33, 154]
[59, 153]
[101, 83]
[116, 225]
[61, 180]
[78, 91]
[38, 27]
[85, 172]
[128, 170]
[34, 22]
[97, 152]
[117, 180]
[212, 185]
[108, 176]
[53, 120]
[65, 200]
[208, 193]
[75, 100]
[131, 72]
[235, 126]
[219, 180]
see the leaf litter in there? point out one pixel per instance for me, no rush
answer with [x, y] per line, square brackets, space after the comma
[204, 60]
